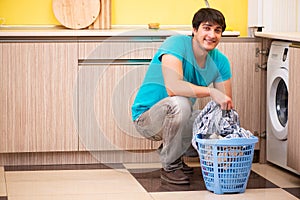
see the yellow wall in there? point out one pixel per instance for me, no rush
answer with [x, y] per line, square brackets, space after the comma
[130, 12]
[27, 12]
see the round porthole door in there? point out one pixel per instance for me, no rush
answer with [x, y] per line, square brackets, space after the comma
[278, 103]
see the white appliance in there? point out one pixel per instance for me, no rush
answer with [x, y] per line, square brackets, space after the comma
[277, 103]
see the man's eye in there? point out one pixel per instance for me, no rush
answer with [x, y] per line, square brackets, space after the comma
[206, 28]
[218, 31]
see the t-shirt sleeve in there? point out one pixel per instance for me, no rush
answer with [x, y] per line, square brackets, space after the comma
[173, 46]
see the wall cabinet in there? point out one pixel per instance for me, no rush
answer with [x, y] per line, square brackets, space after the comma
[293, 160]
[36, 94]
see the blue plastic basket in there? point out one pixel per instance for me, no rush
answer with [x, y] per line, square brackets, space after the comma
[226, 163]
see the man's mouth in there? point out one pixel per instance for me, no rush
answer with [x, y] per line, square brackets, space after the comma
[210, 41]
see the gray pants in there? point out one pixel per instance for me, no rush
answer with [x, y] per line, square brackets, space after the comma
[170, 120]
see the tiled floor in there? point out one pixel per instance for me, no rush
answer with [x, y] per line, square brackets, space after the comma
[134, 181]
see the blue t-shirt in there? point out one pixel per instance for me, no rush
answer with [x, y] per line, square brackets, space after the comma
[152, 90]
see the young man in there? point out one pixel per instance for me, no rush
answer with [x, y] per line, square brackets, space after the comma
[181, 71]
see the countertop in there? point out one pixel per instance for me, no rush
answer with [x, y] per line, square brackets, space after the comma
[125, 30]
[289, 36]
[59, 31]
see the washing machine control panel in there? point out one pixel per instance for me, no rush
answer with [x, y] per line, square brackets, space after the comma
[278, 55]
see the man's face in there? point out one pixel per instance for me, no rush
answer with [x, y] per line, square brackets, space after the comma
[208, 35]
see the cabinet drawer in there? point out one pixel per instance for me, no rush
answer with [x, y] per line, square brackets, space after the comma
[118, 48]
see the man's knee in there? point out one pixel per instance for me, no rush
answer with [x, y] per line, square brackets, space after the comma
[182, 105]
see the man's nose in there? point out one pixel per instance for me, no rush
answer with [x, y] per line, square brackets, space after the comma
[212, 33]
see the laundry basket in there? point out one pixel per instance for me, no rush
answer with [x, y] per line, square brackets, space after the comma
[226, 163]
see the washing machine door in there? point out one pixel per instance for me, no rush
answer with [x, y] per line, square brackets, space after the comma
[278, 103]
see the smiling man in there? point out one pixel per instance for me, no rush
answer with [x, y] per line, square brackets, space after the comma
[181, 71]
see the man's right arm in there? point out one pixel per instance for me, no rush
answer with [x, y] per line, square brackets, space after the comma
[176, 86]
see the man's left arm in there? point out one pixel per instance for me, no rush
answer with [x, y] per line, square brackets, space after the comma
[225, 88]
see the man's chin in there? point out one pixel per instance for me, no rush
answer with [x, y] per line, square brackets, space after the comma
[210, 45]
[209, 48]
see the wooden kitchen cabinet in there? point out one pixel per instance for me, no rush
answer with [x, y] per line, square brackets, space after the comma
[106, 93]
[110, 72]
[75, 95]
[293, 151]
[112, 87]
[246, 81]
[248, 93]
[37, 79]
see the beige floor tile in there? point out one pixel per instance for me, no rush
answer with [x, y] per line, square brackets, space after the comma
[43, 183]
[277, 176]
[2, 182]
[257, 194]
[106, 196]
[19, 176]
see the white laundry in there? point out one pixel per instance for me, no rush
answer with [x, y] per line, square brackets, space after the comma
[214, 123]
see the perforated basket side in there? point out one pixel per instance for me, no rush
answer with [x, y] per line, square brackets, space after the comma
[226, 168]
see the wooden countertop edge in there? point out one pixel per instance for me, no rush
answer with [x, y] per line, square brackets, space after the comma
[59, 31]
[288, 36]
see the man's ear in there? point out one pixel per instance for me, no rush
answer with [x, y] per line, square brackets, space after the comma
[195, 31]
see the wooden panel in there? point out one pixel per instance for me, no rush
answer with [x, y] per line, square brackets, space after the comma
[36, 97]
[293, 160]
[266, 44]
[246, 82]
[77, 157]
[103, 21]
[105, 98]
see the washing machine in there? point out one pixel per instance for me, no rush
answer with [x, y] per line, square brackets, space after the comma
[277, 103]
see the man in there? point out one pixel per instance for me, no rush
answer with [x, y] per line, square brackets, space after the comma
[181, 71]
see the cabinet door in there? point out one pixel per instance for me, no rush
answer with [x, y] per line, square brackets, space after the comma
[293, 160]
[36, 94]
[246, 81]
[106, 93]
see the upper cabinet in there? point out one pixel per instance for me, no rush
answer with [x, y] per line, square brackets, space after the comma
[274, 16]
[37, 97]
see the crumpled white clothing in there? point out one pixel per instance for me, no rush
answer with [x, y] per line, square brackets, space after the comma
[214, 123]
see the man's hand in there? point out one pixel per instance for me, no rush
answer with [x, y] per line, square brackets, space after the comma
[222, 99]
